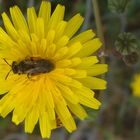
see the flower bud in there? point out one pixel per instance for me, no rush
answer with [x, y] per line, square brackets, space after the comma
[131, 59]
[126, 43]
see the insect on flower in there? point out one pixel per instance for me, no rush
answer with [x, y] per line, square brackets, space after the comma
[31, 66]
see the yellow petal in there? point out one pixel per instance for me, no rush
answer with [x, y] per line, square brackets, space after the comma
[43, 47]
[34, 48]
[60, 78]
[24, 103]
[69, 71]
[24, 36]
[31, 119]
[63, 41]
[60, 54]
[32, 17]
[19, 114]
[89, 48]
[53, 124]
[66, 80]
[50, 50]
[67, 93]
[45, 126]
[80, 74]
[18, 19]
[45, 12]
[74, 83]
[73, 25]
[50, 37]
[84, 91]
[40, 28]
[7, 104]
[65, 116]
[9, 27]
[75, 61]
[5, 39]
[51, 114]
[78, 110]
[21, 46]
[55, 92]
[87, 100]
[57, 16]
[93, 82]
[60, 30]
[87, 61]
[97, 69]
[58, 71]
[87, 92]
[63, 63]
[48, 98]
[5, 86]
[73, 49]
[83, 37]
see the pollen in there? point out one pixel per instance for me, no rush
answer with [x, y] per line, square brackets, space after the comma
[66, 75]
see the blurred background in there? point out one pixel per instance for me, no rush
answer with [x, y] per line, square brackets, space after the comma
[119, 116]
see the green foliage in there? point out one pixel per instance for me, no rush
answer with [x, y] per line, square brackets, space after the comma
[118, 6]
[4, 123]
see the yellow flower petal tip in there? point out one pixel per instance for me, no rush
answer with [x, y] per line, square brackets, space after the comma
[46, 73]
[136, 85]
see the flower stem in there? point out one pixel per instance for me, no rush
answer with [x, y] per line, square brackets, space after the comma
[99, 26]
[99, 33]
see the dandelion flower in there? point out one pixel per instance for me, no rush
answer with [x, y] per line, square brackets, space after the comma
[136, 85]
[47, 76]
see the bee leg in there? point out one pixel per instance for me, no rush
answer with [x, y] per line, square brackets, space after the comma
[29, 76]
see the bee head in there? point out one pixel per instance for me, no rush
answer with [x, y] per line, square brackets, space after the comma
[15, 67]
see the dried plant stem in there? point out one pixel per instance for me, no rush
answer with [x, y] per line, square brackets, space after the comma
[99, 33]
[123, 21]
[99, 26]
[30, 3]
[87, 16]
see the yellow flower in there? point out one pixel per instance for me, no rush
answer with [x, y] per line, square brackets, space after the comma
[45, 74]
[136, 85]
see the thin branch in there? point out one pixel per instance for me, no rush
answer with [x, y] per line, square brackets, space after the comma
[87, 15]
[99, 26]
[30, 3]
[123, 22]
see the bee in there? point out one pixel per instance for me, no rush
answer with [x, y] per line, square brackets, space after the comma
[32, 66]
